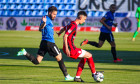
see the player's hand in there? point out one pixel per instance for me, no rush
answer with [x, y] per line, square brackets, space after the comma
[58, 34]
[67, 52]
[137, 19]
[109, 27]
[44, 19]
[115, 24]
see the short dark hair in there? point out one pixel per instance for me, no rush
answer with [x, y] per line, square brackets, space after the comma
[112, 5]
[82, 13]
[52, 8]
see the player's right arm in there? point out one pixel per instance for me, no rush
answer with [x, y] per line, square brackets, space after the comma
[43, 23]
[136, 15]
[103, 22]
[67, 33]
[66, 45]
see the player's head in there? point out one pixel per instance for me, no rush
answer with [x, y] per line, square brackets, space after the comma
[112, 8]
[82, 15]
[52, 12]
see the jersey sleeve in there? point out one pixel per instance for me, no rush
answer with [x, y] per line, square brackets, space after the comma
[65, 28]
[70, 30]
[136, 15]
[106, 16]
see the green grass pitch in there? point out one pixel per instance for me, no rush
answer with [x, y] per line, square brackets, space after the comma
[18, 70]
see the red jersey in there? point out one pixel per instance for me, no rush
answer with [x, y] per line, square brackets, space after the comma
[71, 31]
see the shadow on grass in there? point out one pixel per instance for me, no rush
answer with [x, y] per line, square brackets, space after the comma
[54, 67]
[99, 56]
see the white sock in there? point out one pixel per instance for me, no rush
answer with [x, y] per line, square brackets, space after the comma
[94, 73]
[67, 76]
[77, 76]
[25, 53]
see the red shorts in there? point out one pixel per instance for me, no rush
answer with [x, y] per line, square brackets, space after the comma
[74, 53]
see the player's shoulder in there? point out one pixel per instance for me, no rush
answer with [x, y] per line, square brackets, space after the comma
[108, 13]
[73, 23]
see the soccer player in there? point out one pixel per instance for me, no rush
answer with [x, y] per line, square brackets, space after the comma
[106, 33]
[48, 44]
[138, 24]
[72, 51]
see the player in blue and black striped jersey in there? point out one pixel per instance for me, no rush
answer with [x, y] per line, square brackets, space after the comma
[106, 33]
[47, 43]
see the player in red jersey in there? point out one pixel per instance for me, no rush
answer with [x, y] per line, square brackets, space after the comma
[72, 51]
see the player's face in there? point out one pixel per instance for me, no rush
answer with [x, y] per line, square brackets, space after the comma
[113, 9]
[53, 15]
[82, 19]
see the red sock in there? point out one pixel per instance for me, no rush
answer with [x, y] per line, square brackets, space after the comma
[91, 64]
[81, 66]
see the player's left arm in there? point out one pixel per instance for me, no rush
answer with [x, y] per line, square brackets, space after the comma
[60, 32]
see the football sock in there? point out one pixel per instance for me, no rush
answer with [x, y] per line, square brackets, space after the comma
[113, 51]
[93, 43]
[91, 64]
[77, 76]
[80, 67]
[135, 34]
[62, 67]
[31, 58]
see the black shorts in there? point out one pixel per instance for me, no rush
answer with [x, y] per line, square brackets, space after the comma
[106, 36]
[51, 48]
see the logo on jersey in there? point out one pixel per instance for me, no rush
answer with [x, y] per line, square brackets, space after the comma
[11, 24]
[126, 24]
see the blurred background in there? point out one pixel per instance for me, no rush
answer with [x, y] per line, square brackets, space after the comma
[26, 14]
[19, 24]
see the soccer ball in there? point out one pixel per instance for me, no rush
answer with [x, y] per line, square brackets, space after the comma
[99, 77]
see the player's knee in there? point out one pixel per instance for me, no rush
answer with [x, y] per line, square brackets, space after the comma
[99, 46]
[113, 45]
[89, 55]
[59, 57]
[138, 29]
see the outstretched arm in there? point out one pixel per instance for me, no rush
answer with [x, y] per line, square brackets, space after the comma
[60, 32]
[43, 24]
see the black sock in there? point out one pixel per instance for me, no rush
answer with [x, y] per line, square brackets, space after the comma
[113, 51]
[93, 43]
[32, 58]
[62, 67]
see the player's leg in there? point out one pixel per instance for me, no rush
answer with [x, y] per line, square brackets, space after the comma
[136, 32]
[55, 52]
[30, 57]
[90, 61]
[84, 56]
[93, 43]
[80, 69]
[111, 40]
